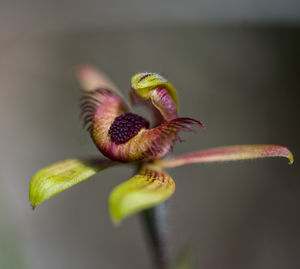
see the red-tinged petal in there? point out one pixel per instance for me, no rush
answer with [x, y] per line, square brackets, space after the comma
[100, 107]
[162, 100]
[108, 120]
[91, 78]
[137, 101]
[148, 144]
[151, 186]
[229, 153]
[156, 88]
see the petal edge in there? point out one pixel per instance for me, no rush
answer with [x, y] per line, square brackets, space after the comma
[62, 175]
[146, 189]
[230, 153]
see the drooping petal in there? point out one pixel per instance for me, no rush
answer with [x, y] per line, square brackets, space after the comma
[62, 175]
[156, 88]
[151, 186]
[229, 153]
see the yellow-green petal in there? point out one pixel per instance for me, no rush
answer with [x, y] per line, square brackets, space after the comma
[60, 176]
[151, 186]
[144, 83]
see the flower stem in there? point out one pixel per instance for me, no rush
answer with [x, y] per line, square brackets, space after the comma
[155, 224]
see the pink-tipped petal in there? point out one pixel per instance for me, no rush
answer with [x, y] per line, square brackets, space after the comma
[91, 78]
[107, 117]
[230, 153]
[162, 100]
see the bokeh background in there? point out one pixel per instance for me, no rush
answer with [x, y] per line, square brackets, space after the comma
[236, 65]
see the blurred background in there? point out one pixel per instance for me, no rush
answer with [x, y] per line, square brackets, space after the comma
[236, 66]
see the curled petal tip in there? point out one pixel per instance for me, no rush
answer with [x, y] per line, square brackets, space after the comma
[156, 88]
[230, 153]
[291, 158]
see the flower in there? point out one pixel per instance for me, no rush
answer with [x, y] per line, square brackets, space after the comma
[125, 137]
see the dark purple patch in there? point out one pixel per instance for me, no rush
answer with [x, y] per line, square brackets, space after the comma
[144, 76]
[126, 126]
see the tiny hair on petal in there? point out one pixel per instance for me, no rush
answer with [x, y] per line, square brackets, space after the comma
[230, 153]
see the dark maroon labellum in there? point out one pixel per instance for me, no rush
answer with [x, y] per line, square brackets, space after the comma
[126, 126]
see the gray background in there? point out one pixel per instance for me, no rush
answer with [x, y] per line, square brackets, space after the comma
[236, 67]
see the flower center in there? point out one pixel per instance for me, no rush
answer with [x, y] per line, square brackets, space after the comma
[126, 126]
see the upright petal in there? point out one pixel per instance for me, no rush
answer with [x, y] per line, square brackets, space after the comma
[60, 176]
[151, 186]
[156, 88]
[91, 78]
[229, 153]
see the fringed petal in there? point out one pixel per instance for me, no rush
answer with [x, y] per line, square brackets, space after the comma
[229, 153]
[151, 186]
[99, 109]
[147, 144]
[60, 176]
[104, 110]
[156, 88]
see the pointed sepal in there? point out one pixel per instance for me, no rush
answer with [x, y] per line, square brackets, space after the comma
[151, 186]
[230, 153]
[60, 176]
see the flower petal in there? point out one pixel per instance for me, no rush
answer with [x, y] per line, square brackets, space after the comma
[91, 78]
[101, 109]
[162, 93]
[151, 186]
[157, 117]
[229, 153]
[62, 175]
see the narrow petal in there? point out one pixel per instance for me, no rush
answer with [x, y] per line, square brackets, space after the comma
[151, 186]
[229, 153]
[91, 78]
[60, 176]
[156, 88]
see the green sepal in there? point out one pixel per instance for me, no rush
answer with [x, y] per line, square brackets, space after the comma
[151, 186]
[60, 176]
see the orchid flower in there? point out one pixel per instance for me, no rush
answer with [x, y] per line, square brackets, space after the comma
[124, 137]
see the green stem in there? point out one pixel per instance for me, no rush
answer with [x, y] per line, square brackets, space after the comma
[155, 224]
